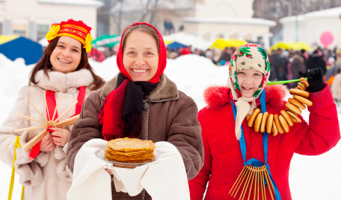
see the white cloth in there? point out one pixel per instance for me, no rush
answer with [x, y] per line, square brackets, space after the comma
[164, 179]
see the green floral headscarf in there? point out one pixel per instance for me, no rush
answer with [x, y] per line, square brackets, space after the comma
[248, 56]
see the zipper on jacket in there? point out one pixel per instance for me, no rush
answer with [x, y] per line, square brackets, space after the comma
[143, 194]
[146, 137]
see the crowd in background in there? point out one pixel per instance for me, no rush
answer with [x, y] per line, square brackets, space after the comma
[218, 57]
[285, 64]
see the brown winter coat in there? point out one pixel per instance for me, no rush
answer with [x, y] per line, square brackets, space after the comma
[170, 116]
[46, 177]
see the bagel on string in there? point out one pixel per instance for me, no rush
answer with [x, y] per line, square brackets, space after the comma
[296, 103]
[304, 82]
[303, 100]
[258, 122]
[274, 129]
[278, 124]
[284, 123]
[274, 124]
[293, 108]
[299, 92]
[287, 117]
[265, 117]
[301, 86]
[294, 117]
[269, 123]
[253, 117]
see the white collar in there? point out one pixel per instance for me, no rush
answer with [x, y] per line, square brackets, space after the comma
[59, 81]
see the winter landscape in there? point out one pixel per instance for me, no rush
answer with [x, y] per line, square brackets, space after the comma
[311, 178]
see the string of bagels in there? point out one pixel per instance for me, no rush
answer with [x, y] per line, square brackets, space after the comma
[273, 123]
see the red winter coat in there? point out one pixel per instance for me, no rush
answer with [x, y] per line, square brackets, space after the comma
[223, 160]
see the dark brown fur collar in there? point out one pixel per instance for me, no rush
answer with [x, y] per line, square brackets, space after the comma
[164, 91]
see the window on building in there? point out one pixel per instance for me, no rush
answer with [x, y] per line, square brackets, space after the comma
[19, 29]
[260, 39]
[1, 29]
[19, 32]
[41, 31]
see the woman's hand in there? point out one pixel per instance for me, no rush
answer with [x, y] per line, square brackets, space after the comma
[109, 171]
[47, 143]
[315, 79]
[60, 136]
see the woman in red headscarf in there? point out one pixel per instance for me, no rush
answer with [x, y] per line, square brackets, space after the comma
[141, 102]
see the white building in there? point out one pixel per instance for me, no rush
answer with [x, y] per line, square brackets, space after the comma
[33, 18]
[311, 25]
[228, 19]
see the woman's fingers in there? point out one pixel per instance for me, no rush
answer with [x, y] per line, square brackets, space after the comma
[50, 146]
[57, 141]
[57, 134]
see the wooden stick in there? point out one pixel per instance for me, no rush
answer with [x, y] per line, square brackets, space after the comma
[74, 118]
[47, 108]
[36, 109]
[242, 181]
[30, 118]
[257, 185]
[236, 182]
[263, 185]
[246, 184]
[39, 138]
[29, 128]
[67, 110]
[270, 186]
[42, 134]
[55, 110]
[251, 182]
[34, 140]
[67, 122]
[239, 182]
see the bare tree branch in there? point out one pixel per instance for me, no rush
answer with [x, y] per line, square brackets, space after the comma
[145, 12]
[153, 11]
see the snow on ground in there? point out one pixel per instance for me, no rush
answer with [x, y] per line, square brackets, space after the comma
[311, 177]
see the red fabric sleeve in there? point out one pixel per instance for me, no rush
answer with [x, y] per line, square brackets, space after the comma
[197, 185]
[323, 131]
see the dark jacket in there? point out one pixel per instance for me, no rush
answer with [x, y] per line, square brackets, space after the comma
[170, 116]
[297, 65]
[280, 67]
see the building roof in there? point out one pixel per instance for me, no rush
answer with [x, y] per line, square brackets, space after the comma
[332, 12]
[93, 3]
[139, 5]
[241, 21]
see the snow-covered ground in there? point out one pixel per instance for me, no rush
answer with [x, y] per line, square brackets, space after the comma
[311, 177]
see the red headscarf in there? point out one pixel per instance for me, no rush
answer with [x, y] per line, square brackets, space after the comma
[162, 56]
[121, 114]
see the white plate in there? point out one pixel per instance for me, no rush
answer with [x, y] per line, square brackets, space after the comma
[100, 155]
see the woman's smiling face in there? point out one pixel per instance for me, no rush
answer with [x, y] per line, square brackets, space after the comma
[140, 56]
[67, 55]
[249, 81]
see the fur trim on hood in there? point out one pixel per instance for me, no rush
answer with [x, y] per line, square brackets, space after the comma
[217, 96]
[58, 81]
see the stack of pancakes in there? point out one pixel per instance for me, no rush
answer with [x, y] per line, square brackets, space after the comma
[130, 150]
